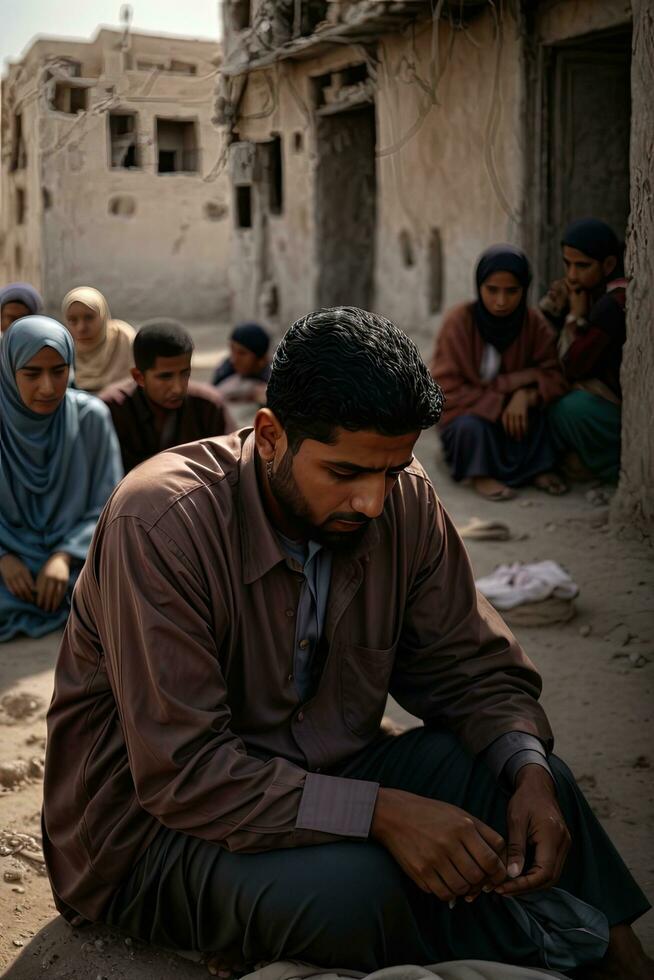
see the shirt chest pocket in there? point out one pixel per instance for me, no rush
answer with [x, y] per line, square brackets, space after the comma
[365, 676]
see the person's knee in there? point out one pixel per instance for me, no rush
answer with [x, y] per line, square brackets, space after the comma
[468, 426]
[367, 896]
[566, 784]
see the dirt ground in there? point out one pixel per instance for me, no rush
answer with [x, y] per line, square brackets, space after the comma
[598, 672]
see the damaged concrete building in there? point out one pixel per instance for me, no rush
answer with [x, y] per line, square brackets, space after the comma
[377, 147]
[113, 175]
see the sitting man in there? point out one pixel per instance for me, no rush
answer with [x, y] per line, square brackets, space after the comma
[247, 605]
[161, 407]
[243, 376]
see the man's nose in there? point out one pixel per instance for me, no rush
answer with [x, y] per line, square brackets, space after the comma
[369, 500]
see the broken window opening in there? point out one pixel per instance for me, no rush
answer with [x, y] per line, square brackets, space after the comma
[21, 202]
[313, 12]
[18, 148]
[241, 14]
[276, 175]
[46, 197]
[123, 145]
[243, 206]
[352, 86]
[18, 258]
[70, 98]
[173, 67]
[182, 68]
[177, 149]
[435, 271]
[298, 141]
[354, 74]
[150, 66]
[406, 249]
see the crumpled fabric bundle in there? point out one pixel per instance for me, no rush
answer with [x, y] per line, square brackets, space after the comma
[455, 970]
[512, 585]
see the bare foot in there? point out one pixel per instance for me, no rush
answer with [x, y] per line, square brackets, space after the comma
[492, 489]
[550, 483]
[625, 959]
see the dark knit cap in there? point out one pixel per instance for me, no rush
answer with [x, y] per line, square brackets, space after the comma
[593, 237]
[253, 337]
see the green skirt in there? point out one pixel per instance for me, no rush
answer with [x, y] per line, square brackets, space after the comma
[589, 426]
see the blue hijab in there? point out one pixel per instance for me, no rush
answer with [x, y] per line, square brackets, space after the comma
[38, 498]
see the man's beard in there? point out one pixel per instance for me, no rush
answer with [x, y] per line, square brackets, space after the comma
[296, 509]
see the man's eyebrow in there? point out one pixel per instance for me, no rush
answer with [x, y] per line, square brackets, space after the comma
[355, 468]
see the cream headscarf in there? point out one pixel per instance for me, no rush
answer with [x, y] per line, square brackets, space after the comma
[111, 359]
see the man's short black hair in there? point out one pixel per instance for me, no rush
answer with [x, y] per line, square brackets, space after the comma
[347, 368]
[160, 338]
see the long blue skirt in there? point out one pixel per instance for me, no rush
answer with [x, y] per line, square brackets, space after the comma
[476, 447]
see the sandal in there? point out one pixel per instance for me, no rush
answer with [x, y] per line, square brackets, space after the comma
[550, 483]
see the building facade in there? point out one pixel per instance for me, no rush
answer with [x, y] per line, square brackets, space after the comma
[378, 147]
[113, 174]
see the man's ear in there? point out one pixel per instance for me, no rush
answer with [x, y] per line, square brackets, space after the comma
[269, 435]
[138, 376]
[608, 265]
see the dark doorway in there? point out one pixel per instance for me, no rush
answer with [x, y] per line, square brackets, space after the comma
[589, 111]
[346, 207]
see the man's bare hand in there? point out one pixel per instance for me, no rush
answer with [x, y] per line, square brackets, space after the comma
[534, 818]
[17, 577]
[442, 848]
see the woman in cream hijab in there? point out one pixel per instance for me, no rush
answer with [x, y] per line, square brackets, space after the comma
[103, 347]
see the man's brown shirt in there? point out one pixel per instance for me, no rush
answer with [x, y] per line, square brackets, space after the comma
[174, 698]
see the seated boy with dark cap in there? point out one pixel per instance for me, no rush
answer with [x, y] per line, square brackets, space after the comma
[244, 374]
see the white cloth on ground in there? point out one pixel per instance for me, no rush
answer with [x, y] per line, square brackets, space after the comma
[512, 585]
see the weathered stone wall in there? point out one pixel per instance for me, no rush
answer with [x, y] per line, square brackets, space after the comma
[634, 502]
[153, 243]
[451, 171]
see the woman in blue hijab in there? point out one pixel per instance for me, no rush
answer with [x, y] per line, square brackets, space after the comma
[59, 462]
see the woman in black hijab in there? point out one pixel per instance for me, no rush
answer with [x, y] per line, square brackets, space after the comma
[586, 424]
[496, 361]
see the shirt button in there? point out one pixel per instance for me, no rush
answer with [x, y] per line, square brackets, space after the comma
[303, 644]
[290, 613]
[300, 716]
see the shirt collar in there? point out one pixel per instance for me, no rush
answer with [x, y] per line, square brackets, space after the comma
[261, 549]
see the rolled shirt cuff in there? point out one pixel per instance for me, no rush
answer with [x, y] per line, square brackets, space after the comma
[335, 805]
[520, 759]
[513, 750]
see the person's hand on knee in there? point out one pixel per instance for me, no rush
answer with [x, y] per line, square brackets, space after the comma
[443, 849]
[534, 820]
